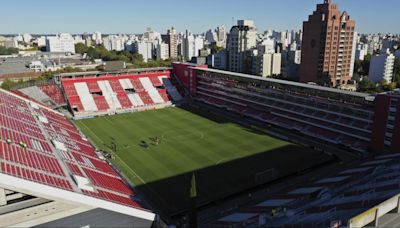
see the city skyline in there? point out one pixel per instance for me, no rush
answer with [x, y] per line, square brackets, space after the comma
[49, 17]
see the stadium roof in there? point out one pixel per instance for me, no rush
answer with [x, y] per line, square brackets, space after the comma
[115, 72]
[285, 82]
[42, 154]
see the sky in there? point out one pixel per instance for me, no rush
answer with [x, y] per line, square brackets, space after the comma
[134, 16]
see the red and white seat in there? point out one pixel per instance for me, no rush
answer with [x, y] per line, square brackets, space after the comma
[40, 145]
[96, 95]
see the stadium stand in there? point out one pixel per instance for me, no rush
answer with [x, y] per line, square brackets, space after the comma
[54, 92]
[48, 94]
[307, 113]
[347, 119]
[340, 200]
[360, 194]
[35, 94]
[44, 157]
[107, 94]
[42, 154]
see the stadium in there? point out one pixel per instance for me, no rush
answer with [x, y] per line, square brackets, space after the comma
[152, 147]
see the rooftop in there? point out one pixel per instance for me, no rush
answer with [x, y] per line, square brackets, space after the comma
[15, 65]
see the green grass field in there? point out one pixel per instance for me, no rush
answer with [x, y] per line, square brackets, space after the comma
[224, 156]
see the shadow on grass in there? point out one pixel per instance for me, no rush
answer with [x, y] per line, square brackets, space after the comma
[207, 114]
[229, 179]
[226, 180]
[223, 116]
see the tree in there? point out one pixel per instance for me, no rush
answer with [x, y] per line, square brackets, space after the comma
[49, 74]
[357, 70]
[385, 86]
[81, 48]
[365, 64]
[7, 84]
[135, 59]
[357, 66]
[216, 49]
[382, 86]
[366, 85]
[356, 77]
[392, 86]
[8, 51]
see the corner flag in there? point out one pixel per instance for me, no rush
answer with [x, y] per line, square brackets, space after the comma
[193, 190]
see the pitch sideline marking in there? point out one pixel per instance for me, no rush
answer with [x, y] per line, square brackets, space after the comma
[130, 169]
[92, 132]
[144, 182]
[221, 160]
[109, 120]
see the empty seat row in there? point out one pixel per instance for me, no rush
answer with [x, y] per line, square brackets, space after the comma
[107, 181]
[35, 176]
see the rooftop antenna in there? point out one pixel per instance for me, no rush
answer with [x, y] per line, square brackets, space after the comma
[233, 21]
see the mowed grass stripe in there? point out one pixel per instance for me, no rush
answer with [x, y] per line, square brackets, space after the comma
[190, 143]
[195, 160]
[193, 155]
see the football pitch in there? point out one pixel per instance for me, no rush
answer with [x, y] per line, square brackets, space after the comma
[160, 150]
